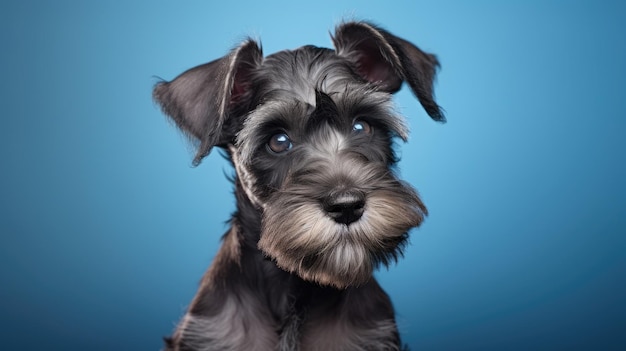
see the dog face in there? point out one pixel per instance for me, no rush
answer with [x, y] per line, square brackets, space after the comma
[310, 134]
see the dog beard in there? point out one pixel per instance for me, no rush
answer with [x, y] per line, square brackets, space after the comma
[301, 238]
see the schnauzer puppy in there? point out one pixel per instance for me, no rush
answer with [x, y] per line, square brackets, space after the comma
[310, 134]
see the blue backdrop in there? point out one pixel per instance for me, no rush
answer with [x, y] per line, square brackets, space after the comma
[106, 228]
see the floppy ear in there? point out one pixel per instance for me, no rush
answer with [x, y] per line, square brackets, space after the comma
[201, 99]
[386, 60]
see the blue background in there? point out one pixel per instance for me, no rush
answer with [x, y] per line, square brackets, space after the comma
[106, 228]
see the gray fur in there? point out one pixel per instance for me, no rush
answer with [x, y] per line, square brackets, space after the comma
[344, 336]
[240, 325]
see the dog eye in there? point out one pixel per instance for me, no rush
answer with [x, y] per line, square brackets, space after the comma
[361, 127]
[279, 143]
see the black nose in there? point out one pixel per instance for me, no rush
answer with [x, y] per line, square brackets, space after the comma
[345, 207]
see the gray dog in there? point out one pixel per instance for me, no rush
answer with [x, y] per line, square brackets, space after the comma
[310, 134]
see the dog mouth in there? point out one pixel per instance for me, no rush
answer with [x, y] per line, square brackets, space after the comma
[337, 238]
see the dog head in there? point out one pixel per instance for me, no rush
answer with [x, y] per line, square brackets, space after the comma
[310, 134]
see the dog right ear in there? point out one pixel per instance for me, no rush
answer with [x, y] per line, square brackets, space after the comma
[201, 99]
[387, 60]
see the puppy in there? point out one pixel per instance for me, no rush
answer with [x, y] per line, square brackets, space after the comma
[310, 134]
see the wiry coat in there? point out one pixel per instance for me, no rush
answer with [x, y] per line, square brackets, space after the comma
[319, 207]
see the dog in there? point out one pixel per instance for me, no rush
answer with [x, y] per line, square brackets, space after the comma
[310, 133]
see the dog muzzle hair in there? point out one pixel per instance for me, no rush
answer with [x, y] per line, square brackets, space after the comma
[310, 133]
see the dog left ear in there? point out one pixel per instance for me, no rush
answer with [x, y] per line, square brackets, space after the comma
[386, 60]
[203, 100]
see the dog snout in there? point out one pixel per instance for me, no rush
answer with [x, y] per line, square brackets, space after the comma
[345, 207]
